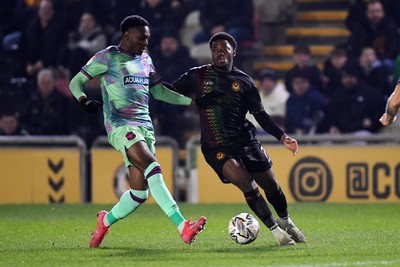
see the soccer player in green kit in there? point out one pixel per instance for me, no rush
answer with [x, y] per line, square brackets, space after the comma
[224, 95]
[127, 75]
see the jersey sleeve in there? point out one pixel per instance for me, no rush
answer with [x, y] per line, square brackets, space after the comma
[185, 83]
[154, 77]
[254, 99]
[97, 65]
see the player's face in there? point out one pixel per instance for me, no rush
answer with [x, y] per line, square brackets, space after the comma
[137, 39]
[222, 55]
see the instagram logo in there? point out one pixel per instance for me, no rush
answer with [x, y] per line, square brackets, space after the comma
[310, 180]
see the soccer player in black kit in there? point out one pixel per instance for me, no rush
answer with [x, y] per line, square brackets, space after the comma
[224, 95]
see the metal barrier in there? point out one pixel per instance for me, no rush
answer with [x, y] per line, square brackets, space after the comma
[45, 142]
[318, 141]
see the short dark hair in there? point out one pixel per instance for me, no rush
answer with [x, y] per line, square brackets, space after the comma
[133, 21]
[268, 73]
[9, 112]
[302, 49]
[223, 36]
[351, 69]
[299, 73]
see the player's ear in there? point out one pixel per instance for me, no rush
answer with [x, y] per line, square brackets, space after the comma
[234, 53]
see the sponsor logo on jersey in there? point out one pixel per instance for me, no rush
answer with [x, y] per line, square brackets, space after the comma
[132, 80]
[220, 156]
[235, 86]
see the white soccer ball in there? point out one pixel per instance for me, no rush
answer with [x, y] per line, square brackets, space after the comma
[243, 228]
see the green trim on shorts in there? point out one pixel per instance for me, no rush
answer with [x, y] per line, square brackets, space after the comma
[123, 137]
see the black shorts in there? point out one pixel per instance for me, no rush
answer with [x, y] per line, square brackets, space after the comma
[252, 155]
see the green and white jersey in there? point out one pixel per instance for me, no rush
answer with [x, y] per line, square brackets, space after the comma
[124, 82]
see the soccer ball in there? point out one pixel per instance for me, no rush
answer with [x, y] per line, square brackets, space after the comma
[243, 228]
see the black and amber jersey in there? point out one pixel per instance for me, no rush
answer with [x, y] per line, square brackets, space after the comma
[223, 99]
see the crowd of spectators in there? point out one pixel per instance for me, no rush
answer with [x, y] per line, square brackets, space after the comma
[46, 42]
[348, 94]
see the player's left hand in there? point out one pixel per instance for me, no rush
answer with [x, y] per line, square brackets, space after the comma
[290, 143]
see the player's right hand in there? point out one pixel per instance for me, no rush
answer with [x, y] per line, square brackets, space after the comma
[290, 143]
[91, 106]
[385, 120]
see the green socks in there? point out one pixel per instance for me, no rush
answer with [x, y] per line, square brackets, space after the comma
[132, 199]
[161, 194]
[127, 204]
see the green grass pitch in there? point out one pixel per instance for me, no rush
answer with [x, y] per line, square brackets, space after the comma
[338, 235]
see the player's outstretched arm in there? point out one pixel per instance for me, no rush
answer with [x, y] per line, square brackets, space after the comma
[164, 92]
[392, 107]
[270, 127]
[290, 143]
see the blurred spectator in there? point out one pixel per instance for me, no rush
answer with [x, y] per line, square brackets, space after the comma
[392, 10]
[15, 16]
[9, 124]
[44, 38]
[303, 61]
[374, 73]
[171, 60]
[304, 107]
[332, 71]
[274, 16]
[11, 24]
[356, 15]
[379, 32]
[86, 125]
[47, 111]
[111, 13]
[235, 18]
[355, 107]
[273, 97]
[83, 43]
[161, 14]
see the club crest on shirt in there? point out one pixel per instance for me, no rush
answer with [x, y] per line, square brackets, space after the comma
[130, 136]
[220, 156]
[235, 86]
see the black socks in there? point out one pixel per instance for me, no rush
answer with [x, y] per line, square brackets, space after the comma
[259, 206]
[278, 201]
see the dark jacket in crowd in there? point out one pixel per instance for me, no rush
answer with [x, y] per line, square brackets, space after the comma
[304, 112]
[350, 106]
[46, 116]
[45, 43]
